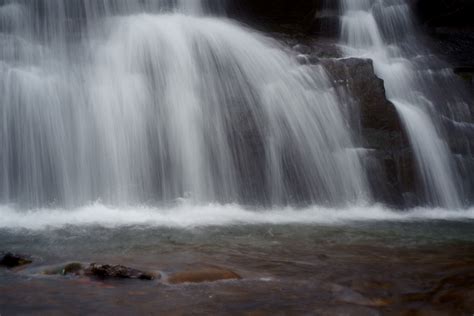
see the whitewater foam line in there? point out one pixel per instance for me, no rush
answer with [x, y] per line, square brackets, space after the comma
[191, 216]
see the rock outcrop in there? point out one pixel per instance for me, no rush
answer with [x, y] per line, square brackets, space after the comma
[388, 159]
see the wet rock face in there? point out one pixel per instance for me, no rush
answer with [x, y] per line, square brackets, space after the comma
[277, 10]
[316, 17]
[117, 271]
[389, 160]
[10, 260]
[359, 76]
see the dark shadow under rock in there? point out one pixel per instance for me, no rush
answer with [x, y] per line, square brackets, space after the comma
[10, 260]
[296, 15]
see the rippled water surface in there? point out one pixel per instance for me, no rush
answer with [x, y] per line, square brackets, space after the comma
[347, 266]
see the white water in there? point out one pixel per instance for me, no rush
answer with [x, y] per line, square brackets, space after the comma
[188, 215]
[433, 162]
[143, 102]
[103, 101]
[383, 31]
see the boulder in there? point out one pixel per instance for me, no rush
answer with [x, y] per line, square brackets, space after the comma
[10, 260]
[212, 274]
[118, 271]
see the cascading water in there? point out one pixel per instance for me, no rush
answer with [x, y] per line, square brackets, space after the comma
[416, 83]
[102, 101]
[156, 149]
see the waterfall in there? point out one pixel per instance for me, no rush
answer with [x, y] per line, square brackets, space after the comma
[415, 82]
[130, 102]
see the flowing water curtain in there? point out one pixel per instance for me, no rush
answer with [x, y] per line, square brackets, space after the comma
[424, 92]
[227, 121]
[103, 100]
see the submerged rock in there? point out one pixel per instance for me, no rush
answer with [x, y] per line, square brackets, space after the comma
[11, 260]
[453, 293]
[349, 296]
[117, 271]
[203, 275]
[74, 268]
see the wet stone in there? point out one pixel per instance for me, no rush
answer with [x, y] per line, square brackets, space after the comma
[203, 275]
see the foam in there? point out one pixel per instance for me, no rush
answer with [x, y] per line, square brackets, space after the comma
[186, 215]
